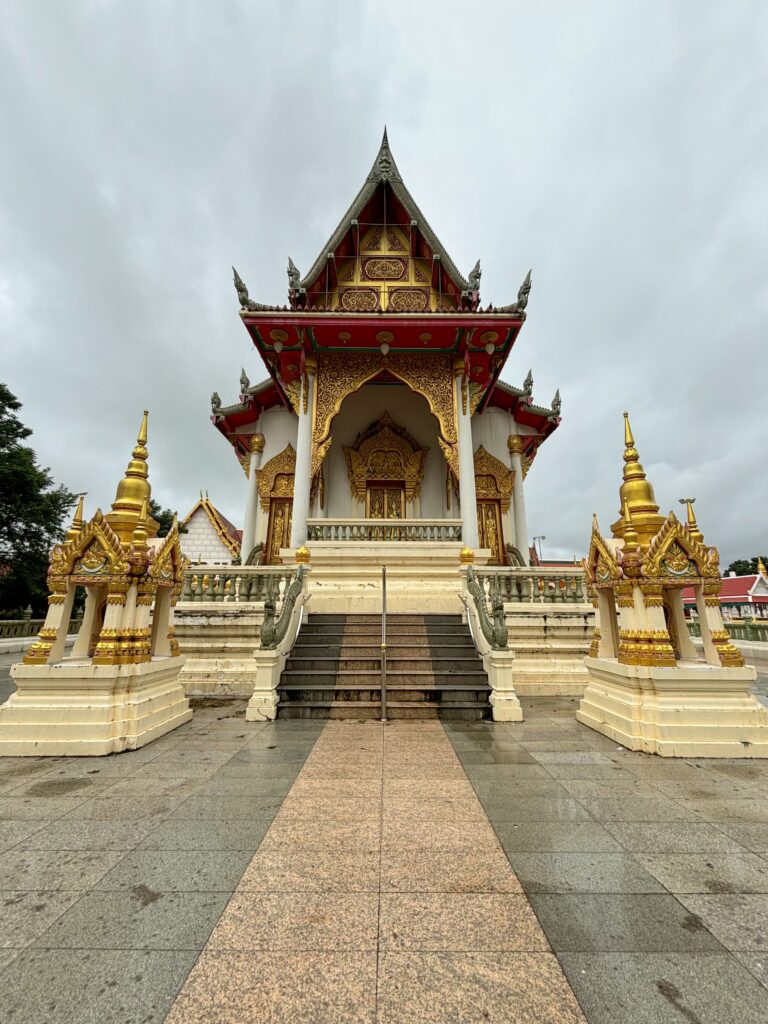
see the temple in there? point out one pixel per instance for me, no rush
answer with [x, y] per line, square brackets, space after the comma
[383, 432]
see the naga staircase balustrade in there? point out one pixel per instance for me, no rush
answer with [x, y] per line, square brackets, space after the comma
[492, 623]
[535, 584]
[275, 627]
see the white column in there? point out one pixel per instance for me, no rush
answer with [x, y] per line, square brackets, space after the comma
[252, 496]
[467, 496]
[301, 480]
[515, 445]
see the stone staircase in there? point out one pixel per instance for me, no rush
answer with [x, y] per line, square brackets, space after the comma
[433, 669]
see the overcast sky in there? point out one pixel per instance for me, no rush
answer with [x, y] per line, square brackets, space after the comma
[620, 149]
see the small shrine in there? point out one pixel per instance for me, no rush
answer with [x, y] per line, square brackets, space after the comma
[117, 688]
[651, 687]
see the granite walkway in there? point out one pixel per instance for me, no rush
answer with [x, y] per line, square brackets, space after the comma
[310, 871]
[380, 893]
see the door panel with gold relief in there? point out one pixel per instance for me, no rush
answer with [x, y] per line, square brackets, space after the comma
[489, 529]
[279, 529]
[385, 500]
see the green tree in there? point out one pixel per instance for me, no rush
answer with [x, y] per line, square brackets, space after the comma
[746, 566]
[32, 514]
[164, 516]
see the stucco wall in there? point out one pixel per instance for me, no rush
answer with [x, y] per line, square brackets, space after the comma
[202, 543]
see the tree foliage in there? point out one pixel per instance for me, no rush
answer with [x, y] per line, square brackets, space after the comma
[32, 514]
[746, 566]
[164, 516]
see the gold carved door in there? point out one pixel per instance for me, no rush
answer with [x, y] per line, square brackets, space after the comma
[386, 500]
[279, 529]
[489, 529]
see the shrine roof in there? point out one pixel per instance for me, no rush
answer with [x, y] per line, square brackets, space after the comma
[385, 172]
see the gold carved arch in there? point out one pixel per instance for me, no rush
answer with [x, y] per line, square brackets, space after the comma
[673, 553]
[601, 565]
[275, 478]
[492, 478]
[385, 451]
[341, 374]
[96, 551]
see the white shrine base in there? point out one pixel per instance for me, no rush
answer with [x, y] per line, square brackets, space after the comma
[80, 709]
[422, 578]
[692, 710]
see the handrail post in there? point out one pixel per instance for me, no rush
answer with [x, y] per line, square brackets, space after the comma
[383, 643]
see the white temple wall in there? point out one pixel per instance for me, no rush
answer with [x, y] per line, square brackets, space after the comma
[491, 429]
[201, 543]
[279, 427]
[408, 410]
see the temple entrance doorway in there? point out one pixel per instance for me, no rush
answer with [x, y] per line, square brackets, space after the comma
[489, 529]
[385, 499]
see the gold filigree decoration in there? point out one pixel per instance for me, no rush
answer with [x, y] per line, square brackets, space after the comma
[408, 300]
[359, 300]
[492, 478]
[292, 389]
[675, 534]
[341, 374]
[677, 563]
[600, 565]
[95, 551]
[168, 563]
[385, 451]
[394, 243]
[384, 268]
[372, 241]
[282, 465]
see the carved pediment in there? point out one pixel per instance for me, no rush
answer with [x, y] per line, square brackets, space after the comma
[385, 451]
[167, 565]
[96, 551]
[674, 553]
[275, 478]
[601, 565]
[492, 478]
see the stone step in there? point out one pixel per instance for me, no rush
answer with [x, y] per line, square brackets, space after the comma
[394, 617]
[372, 679]
[298, 663]
[395, 710]
[345, 650]
[352, 631]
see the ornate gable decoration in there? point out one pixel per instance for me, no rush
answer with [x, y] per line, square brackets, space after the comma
[277, 470]
[492, 478]
[385, 451]
[675, 554]
[96, 551]
[167, 565]
[601, 565]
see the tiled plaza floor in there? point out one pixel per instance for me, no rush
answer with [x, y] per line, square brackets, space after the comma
[313, 872]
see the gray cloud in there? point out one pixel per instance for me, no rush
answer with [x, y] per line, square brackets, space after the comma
[620, 150]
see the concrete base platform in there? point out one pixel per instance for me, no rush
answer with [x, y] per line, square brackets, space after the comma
[692, 710]
[79, 709]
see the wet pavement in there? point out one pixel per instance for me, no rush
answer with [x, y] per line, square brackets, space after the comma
[312, 871]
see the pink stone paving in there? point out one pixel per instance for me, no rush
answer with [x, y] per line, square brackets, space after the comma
[379, 894]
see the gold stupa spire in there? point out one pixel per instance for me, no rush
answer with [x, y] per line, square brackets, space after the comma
[140, 531]
[133, 491]
[761, 567]
[638, 502]
[631, 538]
[693, 526]
[78, 522]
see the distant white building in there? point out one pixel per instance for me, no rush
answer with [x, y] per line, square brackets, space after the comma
[210, 537]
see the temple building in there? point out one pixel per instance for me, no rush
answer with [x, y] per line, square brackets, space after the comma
[383, 420]
[208, 535]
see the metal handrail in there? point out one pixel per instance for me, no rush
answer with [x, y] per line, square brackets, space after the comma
[383, 643]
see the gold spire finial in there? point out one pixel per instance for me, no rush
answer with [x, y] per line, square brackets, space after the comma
[693, 526]
[636, 493]
[631, 538]
[140, 532]
[78, 522]
[761, 567]
[132, 491]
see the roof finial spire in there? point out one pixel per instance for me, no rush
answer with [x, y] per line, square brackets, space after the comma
[636, 493]
[693, 526]
[78, 522]
[384, 139]
[133, 490]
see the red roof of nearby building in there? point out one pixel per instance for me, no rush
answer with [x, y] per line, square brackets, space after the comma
[734, 590]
